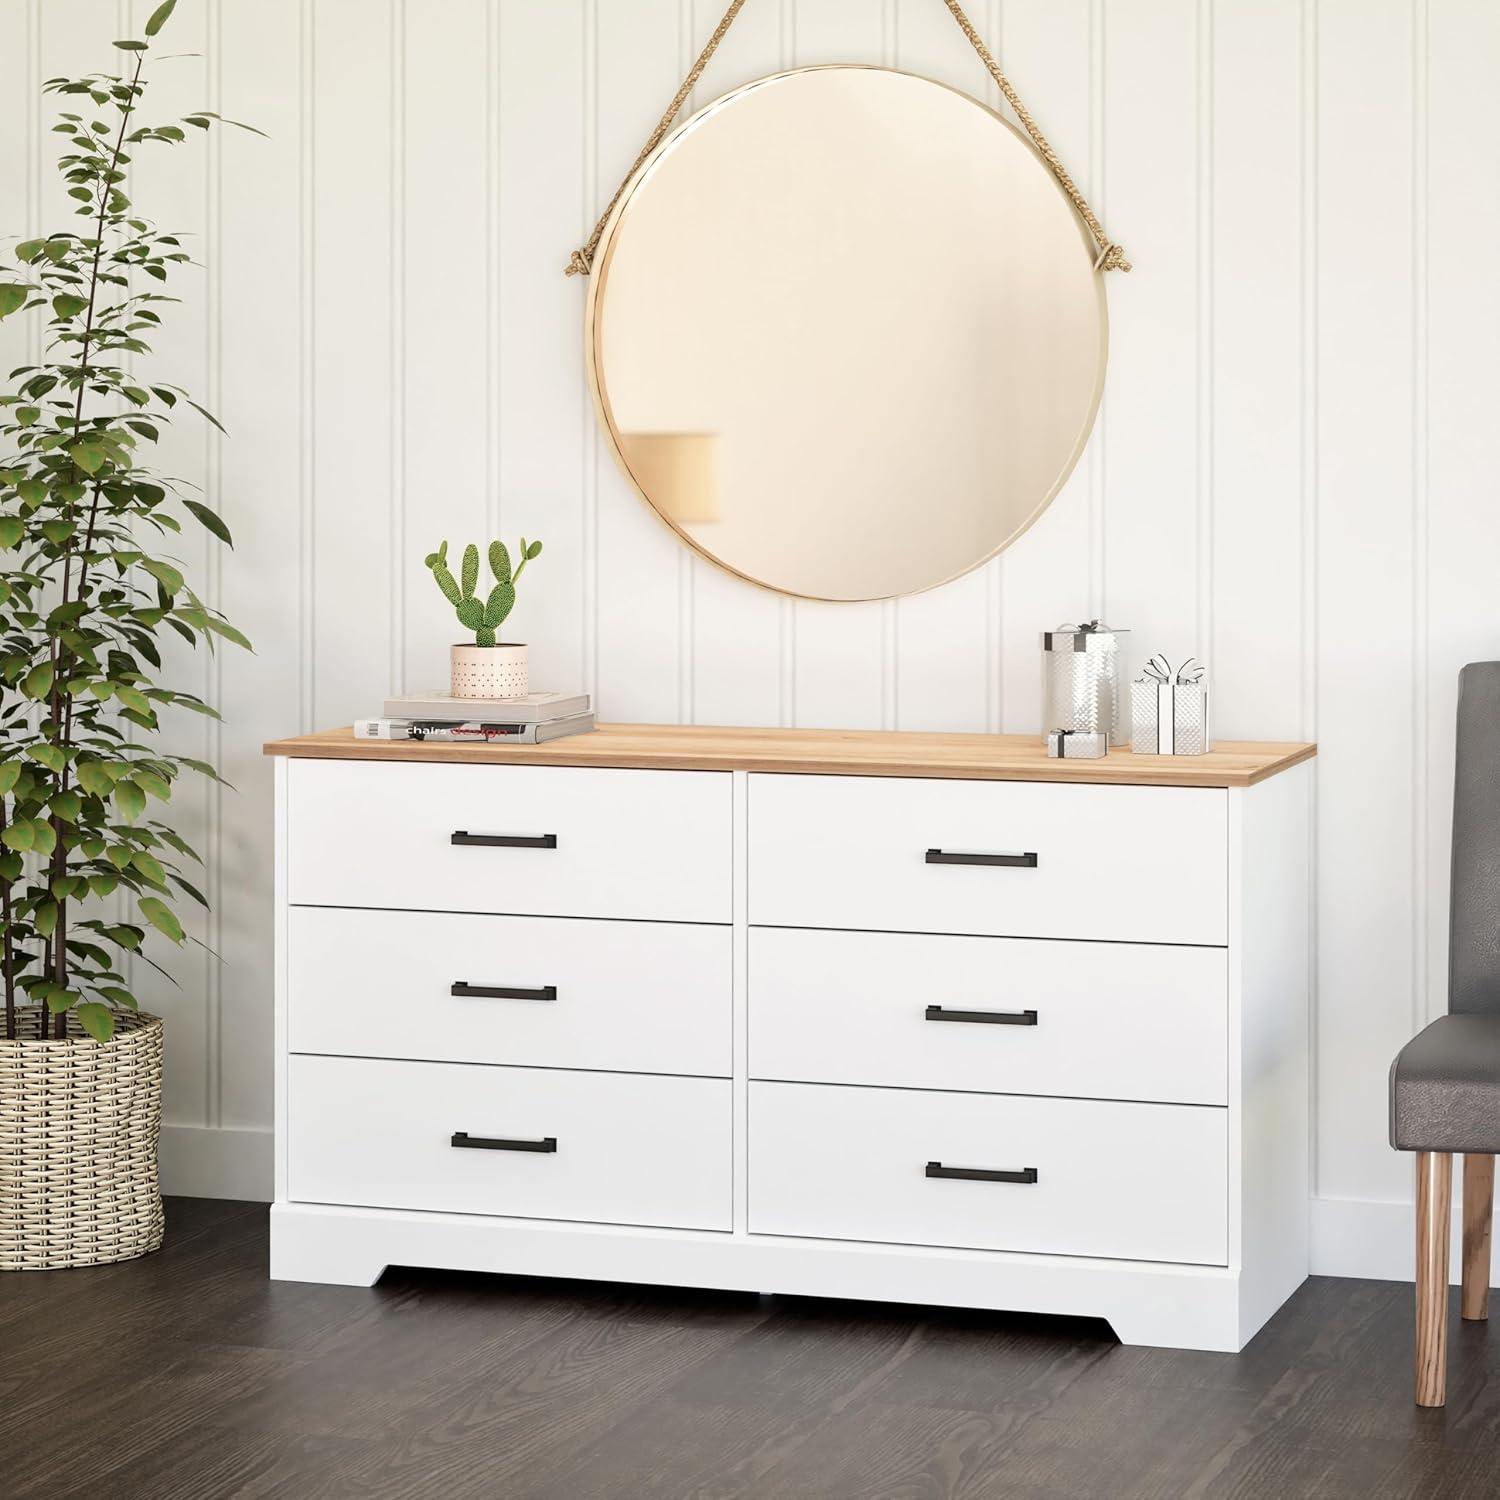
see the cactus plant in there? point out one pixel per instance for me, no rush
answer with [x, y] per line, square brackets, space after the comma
[483, 617]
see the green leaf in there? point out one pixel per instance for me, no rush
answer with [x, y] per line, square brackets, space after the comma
[98, 1020]
[192, 890]
[88, 457]
[200, 619]
[161, 917]
[50, 756]
[180, 844]
[211, 520]
[17, 836]
[224, 628]
[165, 574]
[43, 839]
[57, 531]
[66, 805]
[203, 411]
[119, 855]
[132, 697]
[131, 801]
[32, 492]
[12, 529]
[12, 297]
[10, 773]
[103, 885]
[131, 46]
[94, 779]
[45, 919]
[149, 867]
[534, 550]
[152, 784]
[66, 305]
[118, 995]
[159, 17]
[38, 681]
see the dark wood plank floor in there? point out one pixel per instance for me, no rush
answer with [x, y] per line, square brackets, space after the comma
[189, 1376]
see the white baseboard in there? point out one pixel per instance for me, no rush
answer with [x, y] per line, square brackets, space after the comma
[1377, 1241]
[200, 1162]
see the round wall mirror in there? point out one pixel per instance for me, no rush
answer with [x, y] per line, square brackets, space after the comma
[845, 333]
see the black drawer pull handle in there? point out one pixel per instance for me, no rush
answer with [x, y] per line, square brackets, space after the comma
[499, 1143]
[980, 1174]
[955, 857]
[985, 1017]
[504, 840]
[501, 991]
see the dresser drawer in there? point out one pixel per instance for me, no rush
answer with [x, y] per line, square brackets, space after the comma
[552, 992]
[532, 840]
[995, 1015]
[623, 1149]
[1143, 864]
[1128, 1181]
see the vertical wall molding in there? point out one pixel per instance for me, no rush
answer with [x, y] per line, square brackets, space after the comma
[494, 187]
[396, 227]
[307, 210]
[1098, 563]
[1421, 1000]
[1307, 497]
[1205, 287]
[589, 427]
[214, 495]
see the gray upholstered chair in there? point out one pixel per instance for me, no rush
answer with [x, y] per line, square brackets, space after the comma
[1445, 1083]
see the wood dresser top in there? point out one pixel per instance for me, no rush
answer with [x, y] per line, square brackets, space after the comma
[829, 752]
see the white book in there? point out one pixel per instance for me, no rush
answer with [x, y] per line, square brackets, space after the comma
[472, 731]
[534, 708]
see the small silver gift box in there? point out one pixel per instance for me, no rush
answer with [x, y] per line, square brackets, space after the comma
[1169, 709]
[1076, 744]
[1083, 676]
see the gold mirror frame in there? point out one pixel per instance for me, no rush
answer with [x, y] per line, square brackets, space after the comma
[658, 453]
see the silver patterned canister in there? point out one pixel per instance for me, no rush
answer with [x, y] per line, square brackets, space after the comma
[1083, 672]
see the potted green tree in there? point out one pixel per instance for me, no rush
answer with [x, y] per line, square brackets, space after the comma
[89, 875]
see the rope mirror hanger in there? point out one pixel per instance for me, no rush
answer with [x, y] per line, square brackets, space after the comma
[1111, 256]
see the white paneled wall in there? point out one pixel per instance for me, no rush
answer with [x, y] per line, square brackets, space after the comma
[1292, 475]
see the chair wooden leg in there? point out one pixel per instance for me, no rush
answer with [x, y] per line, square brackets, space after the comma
[1434, 1195]
[1479, 1207]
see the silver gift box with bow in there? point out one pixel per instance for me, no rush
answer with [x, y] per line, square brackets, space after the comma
[1169, 709]
[1084, 669]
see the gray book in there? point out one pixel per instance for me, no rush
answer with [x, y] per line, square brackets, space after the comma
[534, 708]
[472, 731]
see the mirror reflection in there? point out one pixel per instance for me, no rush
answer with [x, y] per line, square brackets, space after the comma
[846, 333]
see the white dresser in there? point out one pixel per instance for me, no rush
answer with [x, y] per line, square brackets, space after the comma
[928, 1018]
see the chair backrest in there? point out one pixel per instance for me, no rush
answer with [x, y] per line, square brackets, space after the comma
[1474, 930]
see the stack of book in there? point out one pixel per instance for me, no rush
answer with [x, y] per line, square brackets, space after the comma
[531, 720]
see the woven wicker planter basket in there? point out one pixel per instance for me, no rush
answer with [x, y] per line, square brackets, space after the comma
[79, 1122]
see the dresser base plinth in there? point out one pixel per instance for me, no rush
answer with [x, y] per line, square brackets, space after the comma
[1149, 1303]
